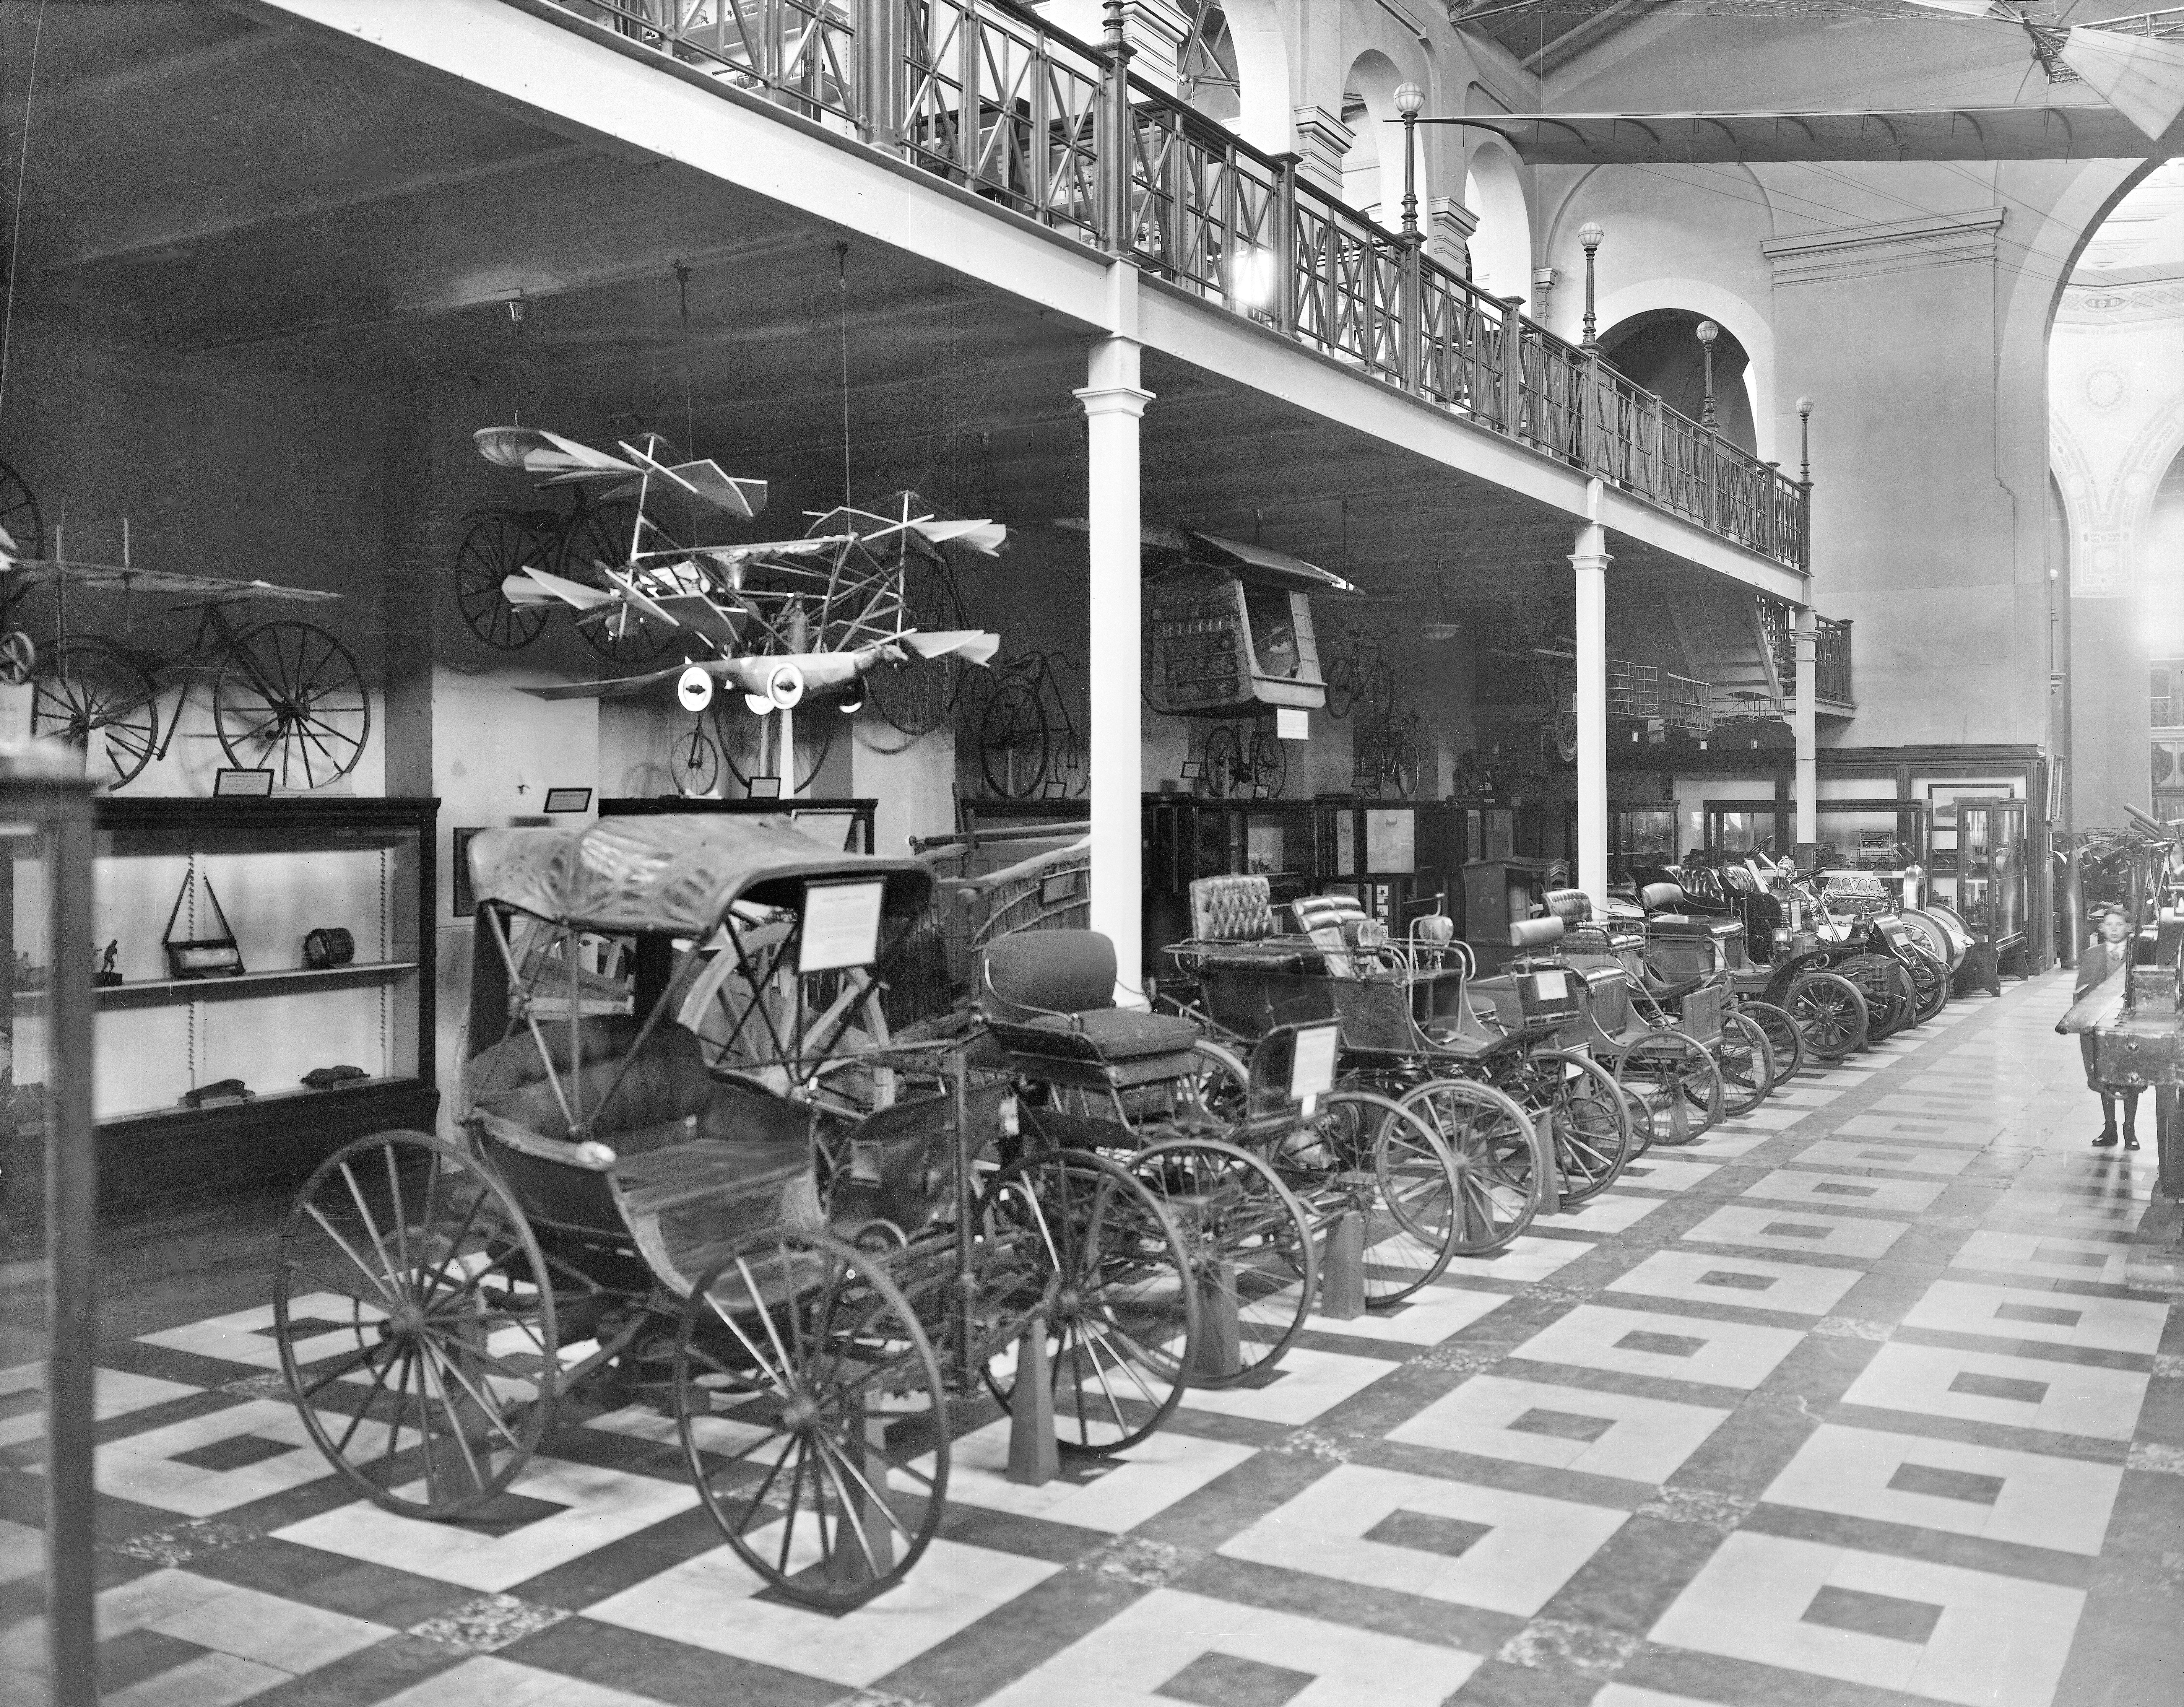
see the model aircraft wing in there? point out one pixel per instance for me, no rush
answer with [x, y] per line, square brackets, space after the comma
[703, 617]
[974, 645]
[637, 600]
[555, 461]
[574, 594]
[698, 485]
[983, 537]
[617, 688]
[124, 578]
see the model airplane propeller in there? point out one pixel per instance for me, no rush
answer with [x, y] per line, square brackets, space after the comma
[782, 618]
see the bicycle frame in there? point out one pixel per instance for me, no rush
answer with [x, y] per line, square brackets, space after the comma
[183, 667]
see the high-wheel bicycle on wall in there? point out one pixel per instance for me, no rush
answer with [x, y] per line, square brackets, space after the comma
[504, 542]
[1028, 741]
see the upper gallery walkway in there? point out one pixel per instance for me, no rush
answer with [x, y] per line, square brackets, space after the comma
[974, 136]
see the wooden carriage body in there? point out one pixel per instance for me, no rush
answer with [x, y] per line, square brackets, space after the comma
[1228, 629]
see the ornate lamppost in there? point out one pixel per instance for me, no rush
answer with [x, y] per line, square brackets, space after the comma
[1591, 235]
[1410, 98]
[1708, 331]
[1805, 442]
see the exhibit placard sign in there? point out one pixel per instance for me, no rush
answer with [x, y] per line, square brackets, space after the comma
[841, 925]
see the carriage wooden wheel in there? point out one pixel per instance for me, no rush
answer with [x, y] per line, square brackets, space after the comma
[414, 1334]
[1747, 1060]
[1679, 1082]
[501, 543]
[1830, 1013]
[1499, 1159]
[793, 1354]
[1106, 1275]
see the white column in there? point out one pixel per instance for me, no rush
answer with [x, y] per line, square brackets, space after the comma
[1113, 402]
[1590, 561]
[1804, 725]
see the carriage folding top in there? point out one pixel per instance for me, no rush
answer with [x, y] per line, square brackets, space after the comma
[682, 1114]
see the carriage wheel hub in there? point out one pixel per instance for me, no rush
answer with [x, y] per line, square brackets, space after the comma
[800, 1415]
[405, 1322]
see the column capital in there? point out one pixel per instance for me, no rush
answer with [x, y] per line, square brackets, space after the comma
[1322, 139]
[1113, 399]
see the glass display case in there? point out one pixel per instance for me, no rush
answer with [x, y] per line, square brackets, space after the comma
[1637, 835]
[1390, 854]
[1736, 828]
[1988, 886]
[1884, 837]
[1187, 839]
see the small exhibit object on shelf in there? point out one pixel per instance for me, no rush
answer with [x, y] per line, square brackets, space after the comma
[221, 1090]
[229, 784]
[325, 1078]
[328, 946]
[210, 955]
[105, 978]
[568, 799]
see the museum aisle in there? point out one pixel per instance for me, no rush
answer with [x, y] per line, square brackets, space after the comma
[1847, 1403]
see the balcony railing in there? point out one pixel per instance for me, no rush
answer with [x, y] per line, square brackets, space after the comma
[1831, 673]
[986, 94]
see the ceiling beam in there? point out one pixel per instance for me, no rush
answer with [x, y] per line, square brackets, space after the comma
[1608, 20]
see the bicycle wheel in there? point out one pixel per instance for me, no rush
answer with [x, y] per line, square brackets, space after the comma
[1746, 1061]
[496, 547]
[1404, 767]
[980, 684]
[1253, 1263]
[1674, 1075]
[1784, 1039]
[1221, 761]
[916, 694]
[1585, 1114]
[750, 746]
[1074, 1237]
[1341, 686]
[695, 763]
[18, 515]
[1501, 1157]
[1370, 766]
[1067, 767]
[1380, 689]
[416, 1341]
[1014, 742]
[792, 1354]
[603, 534]
[1270, 760]
[289, 698]
[83, 687]
[1830, 1013]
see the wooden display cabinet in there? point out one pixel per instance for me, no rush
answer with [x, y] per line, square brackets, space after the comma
[279, 869]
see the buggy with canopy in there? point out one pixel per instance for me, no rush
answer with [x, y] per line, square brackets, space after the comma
[694, 1180]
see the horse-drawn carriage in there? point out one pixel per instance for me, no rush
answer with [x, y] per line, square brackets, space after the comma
[691, 1170]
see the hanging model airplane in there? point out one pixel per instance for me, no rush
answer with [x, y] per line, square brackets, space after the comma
[782, 618]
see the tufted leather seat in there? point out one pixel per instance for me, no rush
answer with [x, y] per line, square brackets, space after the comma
[1571, 905]
[1231, 909]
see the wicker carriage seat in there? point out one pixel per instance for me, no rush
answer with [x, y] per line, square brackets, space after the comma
[1063, 982]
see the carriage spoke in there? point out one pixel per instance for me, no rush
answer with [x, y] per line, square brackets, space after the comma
[319, 1215]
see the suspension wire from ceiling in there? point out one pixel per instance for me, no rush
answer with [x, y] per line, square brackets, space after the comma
[15, 231]
[1007, 367]
[519, 309]
[842, 287]
[689, 420]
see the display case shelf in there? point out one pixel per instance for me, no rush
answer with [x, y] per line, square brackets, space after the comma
[212, 989]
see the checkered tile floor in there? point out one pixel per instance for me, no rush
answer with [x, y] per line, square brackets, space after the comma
[1846, 1404]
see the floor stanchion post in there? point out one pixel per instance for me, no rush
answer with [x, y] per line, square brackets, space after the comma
[1033, 1458]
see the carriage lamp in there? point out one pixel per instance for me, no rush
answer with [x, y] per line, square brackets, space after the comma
[1707, 333]
[1591, 237]
[1409, 99]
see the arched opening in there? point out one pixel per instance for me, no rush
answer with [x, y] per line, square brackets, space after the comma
[1372, 169]
[1207, 76]
[1660, 351]
[1502, 246]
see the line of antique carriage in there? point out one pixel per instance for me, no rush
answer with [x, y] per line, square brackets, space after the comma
[717, 1184]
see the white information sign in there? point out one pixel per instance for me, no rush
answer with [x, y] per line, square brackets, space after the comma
[841, 925]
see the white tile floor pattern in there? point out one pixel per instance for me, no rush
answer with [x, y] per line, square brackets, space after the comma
[1847, 1402]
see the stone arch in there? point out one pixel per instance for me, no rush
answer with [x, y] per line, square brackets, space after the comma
[1261, 52]
[1373, 167]
[1494, 189]
[1621, 309]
